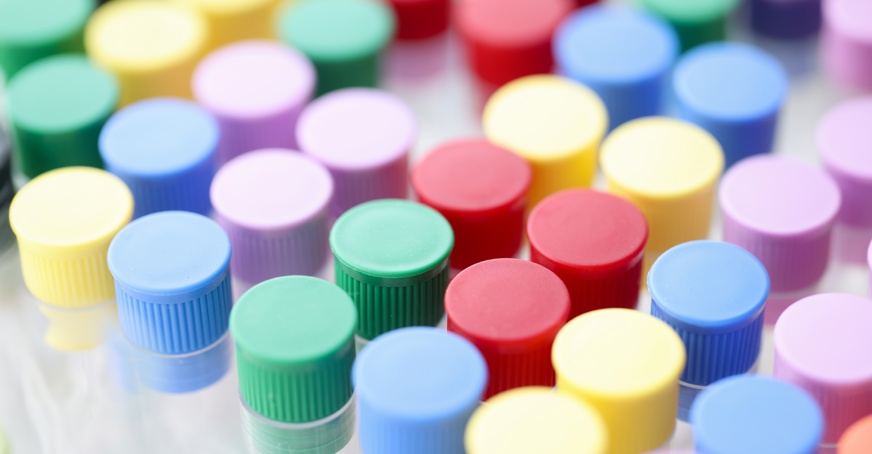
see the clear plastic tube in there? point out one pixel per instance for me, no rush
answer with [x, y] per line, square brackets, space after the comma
[324, 436]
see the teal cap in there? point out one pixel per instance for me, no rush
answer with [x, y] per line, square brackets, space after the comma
[696, 21]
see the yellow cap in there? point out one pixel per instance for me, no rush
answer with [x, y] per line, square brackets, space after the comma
[535, 420]
[554, 123]
[64, 220]
[669, 169]
[236, 20]
[626, 364]
[151, 46]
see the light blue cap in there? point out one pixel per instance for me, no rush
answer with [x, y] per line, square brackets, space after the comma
[735, 92]
[416, 389]
[164, 149]
[756, 415]
[172, 281]
[622, 53]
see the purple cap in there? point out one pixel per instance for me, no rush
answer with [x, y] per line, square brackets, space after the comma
[786, 19]
[256, 90]
[363, 136]
[273, 204]
[823, 344]
[847, 41]
[781, 210]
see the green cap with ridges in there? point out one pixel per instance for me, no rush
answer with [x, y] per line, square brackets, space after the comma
[343, 38]
[391, 256]
[57, 108]
[696, 21]
[294, 348]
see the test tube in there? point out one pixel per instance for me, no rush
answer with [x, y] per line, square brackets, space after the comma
[237, 20]
[858, 438]
[697, 22]
[712, 294]
[846, 44]
[793, 20]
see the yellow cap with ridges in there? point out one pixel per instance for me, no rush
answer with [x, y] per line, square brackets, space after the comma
[669, 169]
[64, 221]
[236, 20]
[535, 420]
[151, 46]
[556, 124]
[626, 364]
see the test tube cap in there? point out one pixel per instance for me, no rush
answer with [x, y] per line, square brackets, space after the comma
[420, 19]
[697, 22]
[846, 42]
[7, 190]
[237, 20]
[791, 20]
[858, 438]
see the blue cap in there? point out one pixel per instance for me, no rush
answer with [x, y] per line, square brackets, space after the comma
[623, 54]
[734, 91]
[756, 415]
[164, 150]
[416, 389]
[712, 294]
[172, 281]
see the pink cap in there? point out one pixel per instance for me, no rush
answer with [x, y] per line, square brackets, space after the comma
[273, 204]
[256, 90]
[847, 41]
[363, 136]
[781, 210]
[823, 344]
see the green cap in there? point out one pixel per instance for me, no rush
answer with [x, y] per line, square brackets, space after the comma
[57, 108]
[294, 348]
[391, 256]
[34, 29]
[343, 38]
[696, 21]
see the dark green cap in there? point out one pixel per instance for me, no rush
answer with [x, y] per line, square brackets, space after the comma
[696, 21]
[391, 256]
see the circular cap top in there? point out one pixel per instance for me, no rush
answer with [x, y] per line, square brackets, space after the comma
[510, 23]
[708, 285]
[70, 207]
[337, 30]
[122, 34]
[615, 44]
[694, 11]
[536, 419]
[826, 338]
[850, 17]
[858, 438]
[506, 301]
[618, 352]
[731, 81]
[587, 230]
[61, 94]
[254, 79]
[778, 195]
[158, 136]
[32, 22]
[471, 176]
[391, 238]
[661, 157]
[843, 138]
[544, 116]
[421, 375]
[356, 128]
[169, 253]
[756, 414]
[271, 189]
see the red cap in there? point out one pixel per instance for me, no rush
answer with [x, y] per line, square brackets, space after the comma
[511, 310]
[583, 3]
[481, 189]
[420, 19]
[508, 39]
[595, 243]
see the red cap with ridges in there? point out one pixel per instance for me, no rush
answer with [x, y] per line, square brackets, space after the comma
[420, 19]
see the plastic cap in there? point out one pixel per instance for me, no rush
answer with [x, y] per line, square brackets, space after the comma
[858, 438]
[236, 20]
[781, 210]
[511, 311]
[269, 241]
[734, 91]
[626, 364]
[343, 38]
[294, 348]
[164, 150]
[712, 294]
[846, 42]
[668, 168]
[790, 20]
[822, 344]
[256, 90]
[697, 22]
[121, 37]
[756, 415]
[364, 137]
[481, 189]
[420, 19]
[594, 242]
[57, 108]
[623, 54]
[416, 389]
[64, 220]
[392, 258]
[7, 191]
[537, 420]
[554, 123]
